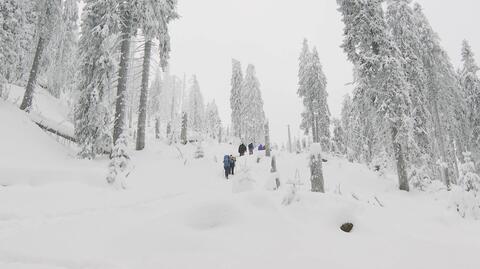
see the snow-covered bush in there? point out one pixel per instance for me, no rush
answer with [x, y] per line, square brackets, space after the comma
[119, 167]
[199, 153]
[316, 177]
[466, 203]
[469, 180]
[419, 177]
[292, 192]
[291, 195]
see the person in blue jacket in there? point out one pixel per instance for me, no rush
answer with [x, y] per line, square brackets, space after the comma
[226, 165]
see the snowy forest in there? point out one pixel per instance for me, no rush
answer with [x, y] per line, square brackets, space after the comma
[117, 156]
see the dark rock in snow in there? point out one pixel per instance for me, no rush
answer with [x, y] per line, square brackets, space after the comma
[346, 227]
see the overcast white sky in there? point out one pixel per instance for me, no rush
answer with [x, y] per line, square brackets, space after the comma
[269, 33]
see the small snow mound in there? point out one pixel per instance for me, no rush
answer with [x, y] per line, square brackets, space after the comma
[212, 216]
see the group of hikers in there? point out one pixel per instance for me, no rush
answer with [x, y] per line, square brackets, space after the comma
[229, 160]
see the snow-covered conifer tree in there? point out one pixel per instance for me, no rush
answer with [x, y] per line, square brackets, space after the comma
[97, 73]
[470, 83]
[444, 95]
[183, 134]
[405, 34]
[253, 116]
[213, 121]
[380, 73]
[312, 89]
[236, 101]
[196, 108]
[316, 173]
[59, 64]
[119, 163]
[338, 137]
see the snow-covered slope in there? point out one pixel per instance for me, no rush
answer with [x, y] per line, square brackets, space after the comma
[45, 108]
[179, 212]
[30, 155]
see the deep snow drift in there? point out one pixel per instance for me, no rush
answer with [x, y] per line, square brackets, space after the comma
[179, 212]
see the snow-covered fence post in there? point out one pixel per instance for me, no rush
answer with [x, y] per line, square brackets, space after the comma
[316, 173]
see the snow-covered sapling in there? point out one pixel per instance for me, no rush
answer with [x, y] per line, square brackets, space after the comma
[469, 180]
[292, 192]
[199, 152]
[119, 168]
[316, 173]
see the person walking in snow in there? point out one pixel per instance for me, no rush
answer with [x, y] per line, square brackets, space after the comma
[232, 165]
[226, 165]
[242, 149]
[250, 148]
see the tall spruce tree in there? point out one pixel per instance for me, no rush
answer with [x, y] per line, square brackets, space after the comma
[196, 108]
[236, 101]
[380, 74]
[312, 89]
[96, 76]
[444, 96]
[253, 116]
[401, 21]
[213, 121]
[470, 84]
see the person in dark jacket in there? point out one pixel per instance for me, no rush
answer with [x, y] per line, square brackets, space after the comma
[226, 165]
[232, 165]
[242, 149]
[250, 148]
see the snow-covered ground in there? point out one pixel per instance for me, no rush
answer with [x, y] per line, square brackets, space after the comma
[179, 212]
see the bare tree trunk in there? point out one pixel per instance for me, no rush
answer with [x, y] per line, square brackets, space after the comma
[119, 123]
[267, 140]
[142, 115]
[28, 96]
[316, 173]
[157, 128]
[400, 160]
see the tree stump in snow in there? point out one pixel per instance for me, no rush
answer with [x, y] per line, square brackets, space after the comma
[346, 227]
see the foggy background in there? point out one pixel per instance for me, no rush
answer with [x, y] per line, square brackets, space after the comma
[269, 34]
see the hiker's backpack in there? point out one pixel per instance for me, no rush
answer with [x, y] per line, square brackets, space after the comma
[226, 161]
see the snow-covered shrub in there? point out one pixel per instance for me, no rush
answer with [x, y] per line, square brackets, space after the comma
[466, 203]
[469, 180]
[419, 177]
[316, 172]
[292, 192]
[120, 163]
[199, 153]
